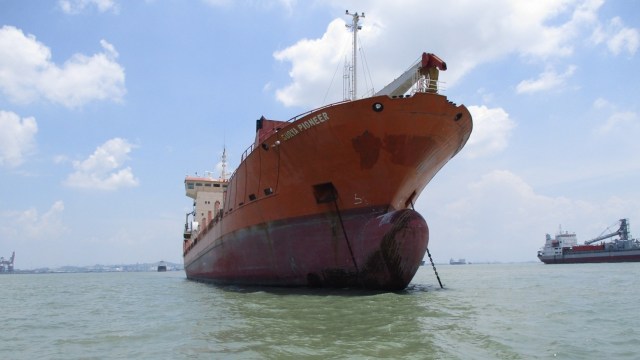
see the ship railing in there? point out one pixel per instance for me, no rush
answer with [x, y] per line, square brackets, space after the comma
[248, 151]
[198, 234]
[426, 85]
[422, 85]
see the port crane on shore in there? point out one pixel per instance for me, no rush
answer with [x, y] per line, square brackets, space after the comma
[7, 265]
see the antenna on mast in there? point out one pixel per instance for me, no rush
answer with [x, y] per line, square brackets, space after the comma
[354, 27]
[223, 173]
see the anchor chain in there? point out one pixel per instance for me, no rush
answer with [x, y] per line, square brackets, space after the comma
[344, 231]
[434, 269]
[430, 259]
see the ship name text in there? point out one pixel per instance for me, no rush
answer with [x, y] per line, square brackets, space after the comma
[305, 125]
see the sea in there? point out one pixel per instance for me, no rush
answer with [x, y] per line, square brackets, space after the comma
[484, 311]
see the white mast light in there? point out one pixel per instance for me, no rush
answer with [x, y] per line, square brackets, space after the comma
[354, 27]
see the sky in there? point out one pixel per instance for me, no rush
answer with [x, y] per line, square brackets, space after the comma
[106, 105]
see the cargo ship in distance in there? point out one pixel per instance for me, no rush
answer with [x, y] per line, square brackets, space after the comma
[326, 198]
[564, 248]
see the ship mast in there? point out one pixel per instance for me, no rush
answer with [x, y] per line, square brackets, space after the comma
[223, 174]
[354, 27]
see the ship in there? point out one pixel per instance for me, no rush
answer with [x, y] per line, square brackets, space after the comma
[326, 199]
[453, 261]
[162, 266]
[564, 247]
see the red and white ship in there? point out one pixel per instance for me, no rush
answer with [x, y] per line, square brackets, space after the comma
[564, 248]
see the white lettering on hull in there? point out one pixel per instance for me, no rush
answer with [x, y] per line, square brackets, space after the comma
[305, 125]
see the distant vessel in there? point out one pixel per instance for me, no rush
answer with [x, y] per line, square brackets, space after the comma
[457, 262]
[162, 266]
[564, 248]
[326, 198]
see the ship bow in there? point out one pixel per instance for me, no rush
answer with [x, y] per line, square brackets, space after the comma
[403, 236]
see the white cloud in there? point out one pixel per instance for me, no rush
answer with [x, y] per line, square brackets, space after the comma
[313, 61]
[601, 103]
[29, 224]
[287, 5]
[60, 159]
[103, 169]
[548, 80]
[17, 138]
[464, 33]
[500, 217]
[618, 37]
[27, 73]
[618, 120]
[218, 3]
[74, 7]
[491, 131]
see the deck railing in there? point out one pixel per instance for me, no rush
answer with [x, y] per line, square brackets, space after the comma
[251, 147]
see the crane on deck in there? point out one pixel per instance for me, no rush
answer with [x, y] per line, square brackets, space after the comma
[424, 73]
[623, 232]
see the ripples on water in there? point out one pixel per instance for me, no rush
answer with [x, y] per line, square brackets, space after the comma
[519, 311]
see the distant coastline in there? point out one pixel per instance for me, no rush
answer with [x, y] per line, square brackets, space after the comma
[153, 267]
[145, 267]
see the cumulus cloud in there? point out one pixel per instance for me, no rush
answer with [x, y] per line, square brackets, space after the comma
[287, 5]
[313, 61]
[491, 131]
[464, 34]
[17, 138]
[618, 120]
[514, 218]
[103, 170]
[218, 3]
[617, 37]
[548, 80]
[601, 103]
[27, 73]
[30, 224]
[74, 7]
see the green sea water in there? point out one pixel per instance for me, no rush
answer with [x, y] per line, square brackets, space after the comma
[506, 311]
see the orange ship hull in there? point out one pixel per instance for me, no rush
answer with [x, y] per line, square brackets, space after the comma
[325, 199]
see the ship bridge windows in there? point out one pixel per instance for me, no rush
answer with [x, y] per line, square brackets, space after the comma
[190, 185]
[216, 185]
[207, 185]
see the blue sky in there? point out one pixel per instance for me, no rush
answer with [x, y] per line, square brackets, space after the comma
[106, 105]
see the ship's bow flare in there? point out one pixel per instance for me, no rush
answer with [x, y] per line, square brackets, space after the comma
[403, 236]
